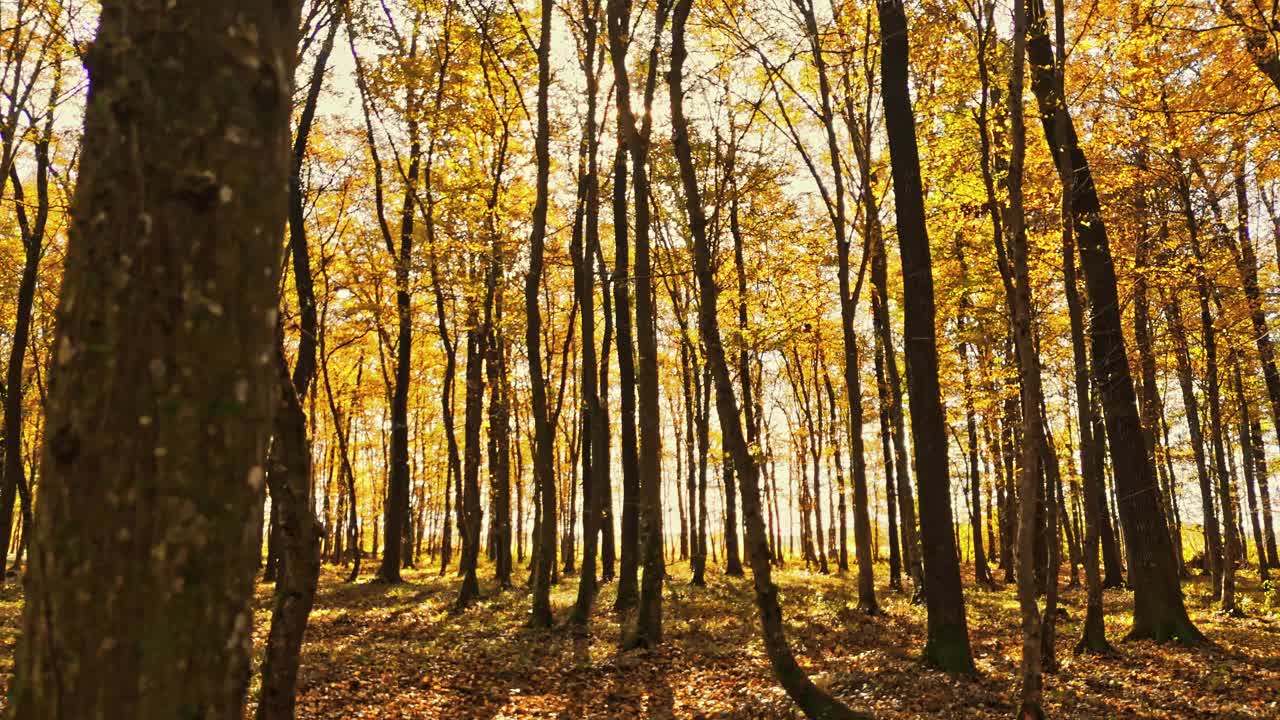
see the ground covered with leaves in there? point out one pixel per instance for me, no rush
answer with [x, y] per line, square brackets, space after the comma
[378, 651]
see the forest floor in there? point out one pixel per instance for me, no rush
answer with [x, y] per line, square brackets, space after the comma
[379, 651]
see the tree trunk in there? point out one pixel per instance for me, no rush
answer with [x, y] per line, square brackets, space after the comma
[886, 445]
[499, 439]
[594, 453]
[1227, 560]
[948, 635]
[647, 630]
[1159, 611]
[629, 542]
[32, 231]
[473, 407]
[183, 329]
[544, 432]
[842, 541]
[1247, 450]
[290, 475]
[981, 573]
[911, 556]
[608, 549]
[1247, 262]
[299, 535]
[1033, 451]
[813, 701]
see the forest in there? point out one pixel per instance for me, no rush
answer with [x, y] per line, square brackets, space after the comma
[639, 359]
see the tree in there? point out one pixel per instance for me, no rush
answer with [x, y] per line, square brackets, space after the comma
[543, 430]
[1033, 448]
[948, 642]
[169, 292]
[290, 473]
[399, 248]
[1159, 611]
[814, 701]
[647, 630]
[594, 455]
[32, 24]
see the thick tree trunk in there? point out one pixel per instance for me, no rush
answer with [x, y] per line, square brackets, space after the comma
[183, 329]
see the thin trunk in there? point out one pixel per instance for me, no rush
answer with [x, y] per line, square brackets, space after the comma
[1033, 450]
[813, 701]
[32, 231]
[499, 439]
[842, 541]
[594, 452]
[1244, 408]
[981, 573]
[886, 445]
[1247, 262]
[544, 432]
[291, 473]
[647, 630]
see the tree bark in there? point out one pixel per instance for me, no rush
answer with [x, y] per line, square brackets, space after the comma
[647, 630]
[594, 455]
[182, 327]
[544, 432]
[886, 446]
[1033, 451]
[32, 231]
[1159, 611]
[499, 440]
[948, 635]
[813, 701]
[981, 573]
[628, 584]
[1247, 450]
[290, 475]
